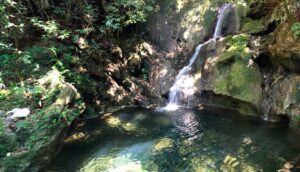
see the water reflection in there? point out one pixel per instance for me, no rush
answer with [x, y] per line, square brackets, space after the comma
[185, 140]
[118, 159]
[187, 124]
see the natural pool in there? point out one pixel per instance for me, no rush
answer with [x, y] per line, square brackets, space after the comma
[135, 140]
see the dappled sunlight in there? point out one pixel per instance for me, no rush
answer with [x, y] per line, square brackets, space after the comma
[80, 136]
[130, 126]
[128, 122]
[121, 159]
[163, 143]
[181, 140]
[116, 92]
[113, 121]
[53, 78]
[197, 76]
[202, 164]
[247, 141]
[163, 72]
[229, 163]
[181, 4]
[192, 18]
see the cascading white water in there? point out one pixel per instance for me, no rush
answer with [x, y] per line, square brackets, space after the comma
[183, 87]
[221, 15]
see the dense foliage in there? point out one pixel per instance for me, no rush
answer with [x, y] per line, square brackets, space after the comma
[50, 35]
[60, 34]
[296, 29]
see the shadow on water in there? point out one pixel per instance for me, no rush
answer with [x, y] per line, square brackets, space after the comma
[185, 140]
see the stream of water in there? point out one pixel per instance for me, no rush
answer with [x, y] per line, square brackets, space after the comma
[183, 88]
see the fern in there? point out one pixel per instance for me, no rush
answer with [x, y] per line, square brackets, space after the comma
[296, 29]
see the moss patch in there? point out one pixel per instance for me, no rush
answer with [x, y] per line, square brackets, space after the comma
[38, 135]
[236, 75]
[8, 140]
[163, 144]
[237, 49]
[252, 26]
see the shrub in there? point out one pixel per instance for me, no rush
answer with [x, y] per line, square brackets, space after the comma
[296, 29]
[121, 13]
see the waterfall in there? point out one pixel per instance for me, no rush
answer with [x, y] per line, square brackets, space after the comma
[183, 88]
[221, 15]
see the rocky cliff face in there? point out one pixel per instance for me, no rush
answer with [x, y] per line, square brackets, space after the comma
[276, 51]
[176, 29]
[231, 74]
[253, 71]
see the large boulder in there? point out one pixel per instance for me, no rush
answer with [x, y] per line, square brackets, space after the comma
[283, 98]
[33, 141]
[231, 75]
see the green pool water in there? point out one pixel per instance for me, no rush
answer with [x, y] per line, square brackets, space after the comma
[135, 140]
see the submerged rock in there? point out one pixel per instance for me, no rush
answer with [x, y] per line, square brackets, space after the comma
[163, 144]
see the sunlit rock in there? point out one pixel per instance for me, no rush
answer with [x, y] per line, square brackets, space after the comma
[229, 164]
[163, 144]
[247, 141]
[19, 113]
[203, 164]
[144, 49]
[76, 137]
[53, 78]
[130, 126]
[113, 121]
[135, 60]
[117, 52]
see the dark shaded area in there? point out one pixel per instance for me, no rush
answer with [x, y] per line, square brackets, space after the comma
[267, 30]
[209, 98]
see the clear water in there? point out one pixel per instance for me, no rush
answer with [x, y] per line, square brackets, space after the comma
[134, 140]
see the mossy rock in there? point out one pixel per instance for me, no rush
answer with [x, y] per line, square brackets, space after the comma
[235, 75]
[8, 140]
[252, 26]
[38, 137]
